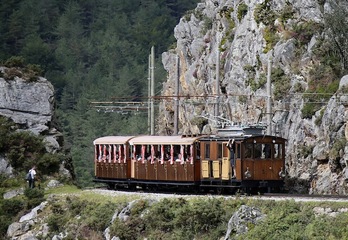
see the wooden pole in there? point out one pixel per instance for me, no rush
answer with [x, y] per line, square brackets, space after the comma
[176, 98]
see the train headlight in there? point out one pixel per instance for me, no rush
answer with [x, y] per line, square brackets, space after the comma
[247, 173]
[282, 173]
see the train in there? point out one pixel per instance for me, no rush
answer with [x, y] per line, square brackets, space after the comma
[235, 159]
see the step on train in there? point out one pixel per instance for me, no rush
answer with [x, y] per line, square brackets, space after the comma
[234, 159]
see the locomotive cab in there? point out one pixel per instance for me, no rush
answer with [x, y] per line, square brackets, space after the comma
[237, 160]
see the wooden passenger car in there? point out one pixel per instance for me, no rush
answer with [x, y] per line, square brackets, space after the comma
[112, 159]
[165, 160]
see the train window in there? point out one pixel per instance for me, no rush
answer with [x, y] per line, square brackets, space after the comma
[248, 150]
[258, 150]
[219, 152]
[207, 151]
[198, 150]
[166, 149]
[177, 154]
[278, 150]
[138, 155]
[266, 150]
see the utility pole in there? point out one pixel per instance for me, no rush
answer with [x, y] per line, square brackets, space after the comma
[149, 96]
[217, 83]
[269, 96]
[152, 90]
[176, 98]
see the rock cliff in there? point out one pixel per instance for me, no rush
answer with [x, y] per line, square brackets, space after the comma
[242, 38]
[29, 104]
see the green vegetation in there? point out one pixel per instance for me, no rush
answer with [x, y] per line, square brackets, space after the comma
[207, 25]
[338, 146]
[25, 149]
[304, 31]
[331, 53]
[185, 218]
[337, 32]
[227, 13]
[263, 13]
[18, 68]
[281, 83]
[242, 11]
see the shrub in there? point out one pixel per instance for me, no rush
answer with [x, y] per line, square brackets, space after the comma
[286, 13]
[11, 207]
[320, 117]
[337, 146]
[242, 11]
[56, 222]
[24, 149]
[271, 38]
[124, 230]
[199, 217]
[11, 73]
[15, 61]
[99, 215]
[263, 13]
[281, 83]
[32, 72]
[305, 30]
[5, 221]
[35, 196]
[207, 24]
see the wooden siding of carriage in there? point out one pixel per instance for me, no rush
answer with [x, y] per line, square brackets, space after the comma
[113, 170]
[164, 172]
[261, 169]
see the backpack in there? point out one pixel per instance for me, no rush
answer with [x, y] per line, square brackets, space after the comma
[28, 176]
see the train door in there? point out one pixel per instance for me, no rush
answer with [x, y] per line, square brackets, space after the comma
[205, 156]
[225, 154]
[238, 164]
[215, 156]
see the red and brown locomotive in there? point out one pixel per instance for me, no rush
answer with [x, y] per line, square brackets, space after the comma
[234, 158]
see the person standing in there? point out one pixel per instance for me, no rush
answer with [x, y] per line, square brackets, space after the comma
[232, 157]
[32, 173]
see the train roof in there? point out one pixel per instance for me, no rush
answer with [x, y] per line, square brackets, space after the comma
[112, 140]
[166, 140]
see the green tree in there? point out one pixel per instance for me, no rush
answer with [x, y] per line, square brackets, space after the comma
[336, 24]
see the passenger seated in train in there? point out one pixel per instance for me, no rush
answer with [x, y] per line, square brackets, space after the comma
[267, 150]
[178, 158]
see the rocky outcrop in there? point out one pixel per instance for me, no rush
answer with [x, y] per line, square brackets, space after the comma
[242, 218]
[235, 35]
[29, 104]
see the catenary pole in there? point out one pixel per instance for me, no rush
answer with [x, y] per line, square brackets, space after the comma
[149, 97]
[269, 96]
[176, 99]
[217, 83]
[152, 90]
